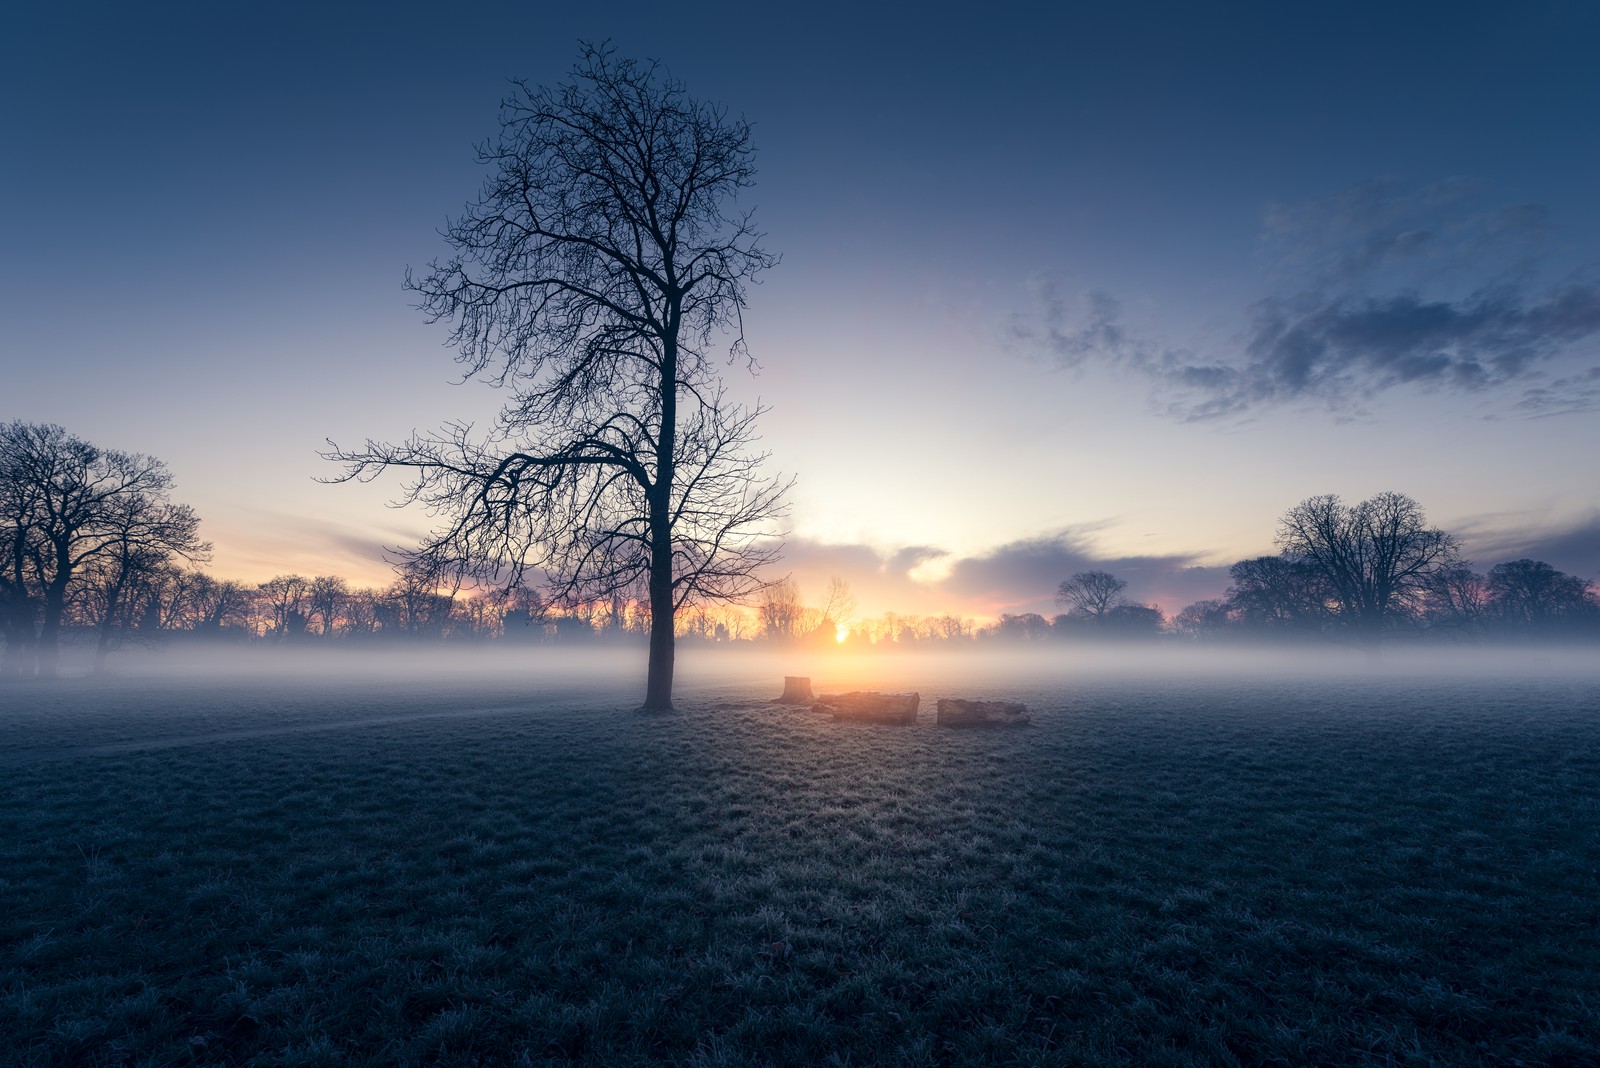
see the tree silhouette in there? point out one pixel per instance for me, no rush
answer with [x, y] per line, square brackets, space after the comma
[594, 278]
[1091, 593]
[1278, 595]
[71, 510]
[1531, 594]
[1377, 557]
[781, 610]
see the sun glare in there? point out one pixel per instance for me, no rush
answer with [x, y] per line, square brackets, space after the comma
[840, 633]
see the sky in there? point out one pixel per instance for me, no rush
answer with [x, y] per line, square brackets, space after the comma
[1103, 286]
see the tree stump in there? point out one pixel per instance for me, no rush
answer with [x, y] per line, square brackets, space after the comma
[796, 691]
[957, 713]
[869, 706]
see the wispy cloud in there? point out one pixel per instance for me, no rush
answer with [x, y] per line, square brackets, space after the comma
[1372, 289]
[1573, 548]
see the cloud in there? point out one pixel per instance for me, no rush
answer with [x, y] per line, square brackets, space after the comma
[1074, 328]
[1344, 348]
[1375, 288]
[1017, 577]
[1574, 549]
[256, 543]
[1563, 396]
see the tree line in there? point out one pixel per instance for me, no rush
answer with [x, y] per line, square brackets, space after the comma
[92, 546]
[1367, 572]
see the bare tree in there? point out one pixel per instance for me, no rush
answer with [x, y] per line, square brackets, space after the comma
[1376, 556]
[215, 604]
[1091, 593]
[285, 599]
[781, 610]
[594, 278]
[72, 508]
[326, 597]
[1203, 620]
[418, 607]
[839, 606]
[1455, 600]
[1533, 595]
[1274, 594]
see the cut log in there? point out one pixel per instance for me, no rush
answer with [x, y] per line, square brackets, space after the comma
[796, 691]
[956, 713]
[869, 706]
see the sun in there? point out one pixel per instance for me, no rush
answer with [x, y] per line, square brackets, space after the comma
[840, 633]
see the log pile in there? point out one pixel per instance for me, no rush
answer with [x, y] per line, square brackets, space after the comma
[957, 713]
[869, 706]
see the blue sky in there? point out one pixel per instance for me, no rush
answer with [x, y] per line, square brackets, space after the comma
[1113, 285]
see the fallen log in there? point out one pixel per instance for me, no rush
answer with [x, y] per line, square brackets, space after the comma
[796, 691]
[958, 713]
[869, 706]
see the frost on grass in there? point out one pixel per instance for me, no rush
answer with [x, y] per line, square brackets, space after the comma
[1197, 867]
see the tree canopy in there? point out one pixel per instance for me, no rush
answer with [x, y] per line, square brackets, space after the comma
[601, 279]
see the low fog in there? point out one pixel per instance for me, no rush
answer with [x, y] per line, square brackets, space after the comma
[702, 669]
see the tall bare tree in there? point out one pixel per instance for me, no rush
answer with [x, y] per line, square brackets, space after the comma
[1377, 557]
[596, 278]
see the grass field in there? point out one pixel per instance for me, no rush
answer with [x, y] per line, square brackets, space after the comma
[486, 867]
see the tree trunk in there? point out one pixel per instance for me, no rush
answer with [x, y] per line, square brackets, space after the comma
[658, 677]
[48, 649]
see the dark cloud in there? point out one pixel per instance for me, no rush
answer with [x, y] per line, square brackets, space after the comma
[1379, 287]
[1574, 549]
[1347, 348]
[1020, 576]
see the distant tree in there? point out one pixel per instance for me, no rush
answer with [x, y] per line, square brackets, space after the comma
[1376, 557]
[1204, 620]
[948, 628]
[364, 612]
[20, 498]
[1091, 593]
[781, 610]
[595, 277]
[1026, 627]
[71, 509]
[215, 605]
[1134, 621]
[1278, 596]
[524, 617]
[325, 599]
[1455, 601]
[285, 598]
[122, 592]
[1531, 595]
[417, 606]
[839, 605]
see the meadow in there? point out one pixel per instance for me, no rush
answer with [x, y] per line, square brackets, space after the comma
[475, 863]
